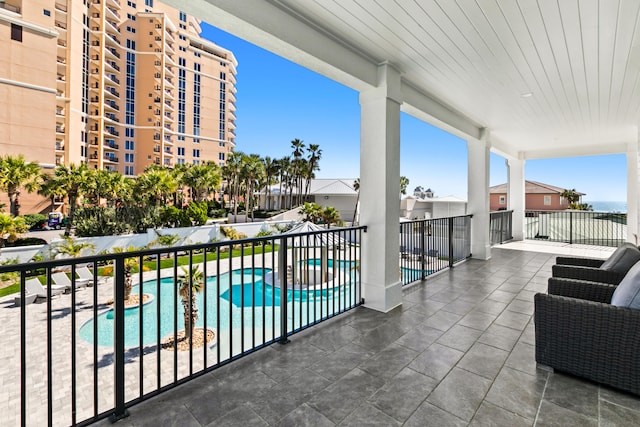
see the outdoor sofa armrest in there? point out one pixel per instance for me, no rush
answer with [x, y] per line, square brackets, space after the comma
[581, 289]
[592, 340]
[584, 262]
[587, 273]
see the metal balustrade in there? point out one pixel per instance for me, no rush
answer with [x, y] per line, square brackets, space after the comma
[87, 355]
[577, 227]
[500, 226]
[431, 245]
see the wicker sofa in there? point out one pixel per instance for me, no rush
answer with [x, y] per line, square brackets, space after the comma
[610, 271]
[579, 332]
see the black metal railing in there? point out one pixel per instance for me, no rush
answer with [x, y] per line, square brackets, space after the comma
[87, 354]
[500, 226]
[431, 245]
[584, 227]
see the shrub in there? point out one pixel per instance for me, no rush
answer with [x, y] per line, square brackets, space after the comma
[34, 219]
[232, 234]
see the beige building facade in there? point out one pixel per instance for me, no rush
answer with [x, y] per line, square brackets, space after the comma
[117, 84]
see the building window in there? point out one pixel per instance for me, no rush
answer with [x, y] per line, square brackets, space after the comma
[148, 3]
[220, 156]
[128, 157]
[131, 17]
[132, 4]
[46, 12]
[196, 152]
[128, 170]
[16, 32]
[547, 200]
[180, 151]
[503, 200]
[183, 17]
[180, 161]
[128, 145]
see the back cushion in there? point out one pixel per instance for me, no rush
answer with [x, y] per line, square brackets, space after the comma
[622, 259]
[627, 294]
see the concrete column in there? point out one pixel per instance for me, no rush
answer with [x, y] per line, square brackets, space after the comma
[380, 191]
[478, 195]
[633, 186]
[516, 196]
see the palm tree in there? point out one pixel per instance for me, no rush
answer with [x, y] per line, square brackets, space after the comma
[231, 171]
[296, 165]
[11, 228]
[67, 181]
[356, 187]
[315, 153]
[190, 285]
[572, 196]
[16, 173]
[283, 165]
[271, 169]
[330, 215]
[71, 247]
[156, 184]
[201, 179]
[129, 263]
[252, 171]
[404, 183]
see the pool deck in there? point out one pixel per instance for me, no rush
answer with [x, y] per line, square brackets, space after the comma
[458, 352]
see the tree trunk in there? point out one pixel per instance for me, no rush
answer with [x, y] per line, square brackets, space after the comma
[128, 283]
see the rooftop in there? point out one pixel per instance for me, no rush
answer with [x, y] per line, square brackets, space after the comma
[532, 187]
[460, 351]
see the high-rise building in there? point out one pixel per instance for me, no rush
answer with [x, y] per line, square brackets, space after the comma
[118, 84]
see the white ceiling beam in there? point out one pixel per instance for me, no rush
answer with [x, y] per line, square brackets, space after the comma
[582, 150]
[432, 111]
[272, 28]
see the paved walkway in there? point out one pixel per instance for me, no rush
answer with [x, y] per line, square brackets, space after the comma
[460, 351]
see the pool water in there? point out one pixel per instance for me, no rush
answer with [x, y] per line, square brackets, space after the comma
[244, 299]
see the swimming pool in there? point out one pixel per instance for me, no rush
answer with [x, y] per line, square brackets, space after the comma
[245, 299]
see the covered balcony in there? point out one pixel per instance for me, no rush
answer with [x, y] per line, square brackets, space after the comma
[526, 80]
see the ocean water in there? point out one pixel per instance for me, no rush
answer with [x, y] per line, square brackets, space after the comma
[608, 206]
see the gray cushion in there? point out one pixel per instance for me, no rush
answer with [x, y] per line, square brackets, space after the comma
[627, 294]
[622, 259]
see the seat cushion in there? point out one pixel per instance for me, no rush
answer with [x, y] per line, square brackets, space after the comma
[627, 294]
[622, 259]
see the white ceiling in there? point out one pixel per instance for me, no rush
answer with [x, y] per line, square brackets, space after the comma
[580, 60]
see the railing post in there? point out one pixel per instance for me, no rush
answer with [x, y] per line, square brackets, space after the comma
[282, 276]
[570, 227]
[450, 219]
[422, 247]
[120, 410]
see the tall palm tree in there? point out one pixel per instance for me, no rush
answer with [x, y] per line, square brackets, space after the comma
[252, 172]
[315, 153]
[67, 181]
[283, 165]
[297, 167]
[16, 173]
[356, 187]
[404, 183]
[232, 170]
[271, 169]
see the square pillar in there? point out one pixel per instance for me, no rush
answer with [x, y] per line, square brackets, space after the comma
[380, 191]
[478, 195]
[633, 186]
[516, 196]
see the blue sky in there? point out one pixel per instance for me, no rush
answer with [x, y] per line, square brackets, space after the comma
[278, 101]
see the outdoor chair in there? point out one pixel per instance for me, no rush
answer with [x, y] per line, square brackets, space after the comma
[610, 271]
[61, 278]
[33, 286]
[591, 330]
[86, 275]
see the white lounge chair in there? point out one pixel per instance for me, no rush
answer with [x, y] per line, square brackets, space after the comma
[62, 279]
[33, 286]
[85, 274]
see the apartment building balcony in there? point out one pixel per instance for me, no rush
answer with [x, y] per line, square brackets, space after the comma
[60, 8]
[111, 67]
[111, 92]
[168, 117]
[168, 82]
[112, 27]
[168, 126]
[112, 117]
[114, 4]
[112, 40]
[168, 94]
[168, 140]
[111, 105]
[111, 146]
[168, 151]
[9, 6]
[112, 13]
[60, 113]
[113, 78]
[112, 54]
[111, 131]
[156, 149]
[59, 146]
[169, 60]
[60, 130]
[110, 159]
[168, 105]
[168, 71]
[61, 26]
[169, 48]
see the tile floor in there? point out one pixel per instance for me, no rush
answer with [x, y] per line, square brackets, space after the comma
[460, 351]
